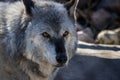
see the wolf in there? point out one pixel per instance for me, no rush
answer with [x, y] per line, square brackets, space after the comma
[36, 39]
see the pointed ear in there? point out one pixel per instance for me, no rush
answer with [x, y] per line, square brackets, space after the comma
[29, 4]
[70, 6]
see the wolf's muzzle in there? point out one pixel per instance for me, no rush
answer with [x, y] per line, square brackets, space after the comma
[61, 59]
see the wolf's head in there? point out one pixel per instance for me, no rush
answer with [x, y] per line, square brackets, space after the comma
[50, 34]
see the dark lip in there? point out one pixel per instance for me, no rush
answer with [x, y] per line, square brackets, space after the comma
[60, 65]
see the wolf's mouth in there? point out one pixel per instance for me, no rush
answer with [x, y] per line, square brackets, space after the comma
[60, 65]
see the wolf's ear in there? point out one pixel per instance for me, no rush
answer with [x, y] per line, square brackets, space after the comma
[70, 6]
[29, 4]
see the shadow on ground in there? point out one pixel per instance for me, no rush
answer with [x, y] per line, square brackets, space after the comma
[98, 47]
[90, 68]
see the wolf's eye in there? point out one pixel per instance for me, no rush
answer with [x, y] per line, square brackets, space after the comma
[45, 34]
[65, 33]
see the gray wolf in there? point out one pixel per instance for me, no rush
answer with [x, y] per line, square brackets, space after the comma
[36, 39]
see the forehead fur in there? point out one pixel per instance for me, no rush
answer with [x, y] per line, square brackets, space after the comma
[49, 10]
[50, 13]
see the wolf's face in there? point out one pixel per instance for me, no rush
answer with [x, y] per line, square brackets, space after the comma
[50, 36]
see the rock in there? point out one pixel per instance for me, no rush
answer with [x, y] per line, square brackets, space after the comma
[101, 18]
[85, 35]
[108, 37]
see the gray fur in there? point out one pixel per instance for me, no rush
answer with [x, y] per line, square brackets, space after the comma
[24, 53]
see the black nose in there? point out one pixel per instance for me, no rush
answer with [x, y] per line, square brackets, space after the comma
[61, 59]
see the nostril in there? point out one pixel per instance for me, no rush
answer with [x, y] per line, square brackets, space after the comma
[61, 59]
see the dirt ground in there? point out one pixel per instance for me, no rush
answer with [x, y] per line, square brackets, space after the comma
[87, 66]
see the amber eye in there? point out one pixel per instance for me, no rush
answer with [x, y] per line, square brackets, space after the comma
[45, 34]
[65, 33]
